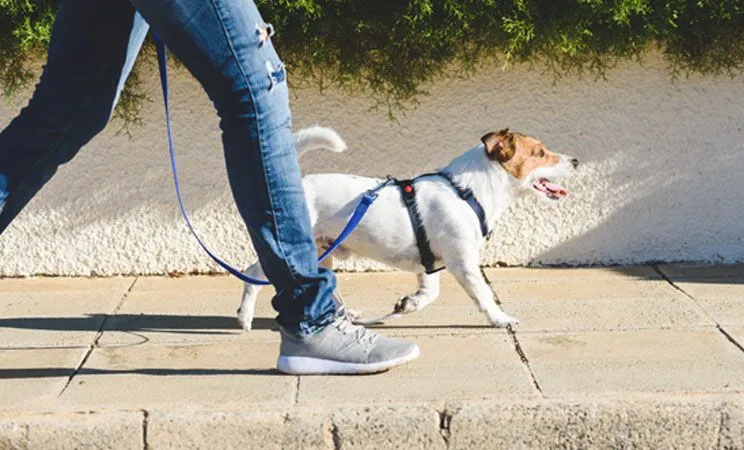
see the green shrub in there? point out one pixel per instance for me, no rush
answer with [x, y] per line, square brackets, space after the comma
[391, 48]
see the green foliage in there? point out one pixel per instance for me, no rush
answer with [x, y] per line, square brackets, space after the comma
[391, 48]
[25, 29]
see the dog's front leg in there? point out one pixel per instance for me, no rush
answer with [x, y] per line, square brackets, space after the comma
[428, 291]
[250, 292]
[468, 274]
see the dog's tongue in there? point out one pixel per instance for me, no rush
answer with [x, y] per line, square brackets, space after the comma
[555, 189]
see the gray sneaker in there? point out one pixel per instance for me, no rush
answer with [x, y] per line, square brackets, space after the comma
[342, 348]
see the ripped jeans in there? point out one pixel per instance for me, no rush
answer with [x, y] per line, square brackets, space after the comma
[227, 47]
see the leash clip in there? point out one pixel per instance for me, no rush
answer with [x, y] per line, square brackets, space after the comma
[370, 195]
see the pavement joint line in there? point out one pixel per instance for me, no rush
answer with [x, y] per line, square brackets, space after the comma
[145, 424]
[335, 436]
[720, 329]
[445, 423]
[721, 425]
[730, 338]
[517, 347]
[99, 334]
[296, 393]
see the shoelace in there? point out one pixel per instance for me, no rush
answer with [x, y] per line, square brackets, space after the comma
[360, 332]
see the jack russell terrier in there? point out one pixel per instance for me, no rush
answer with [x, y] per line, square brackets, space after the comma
[451, 211]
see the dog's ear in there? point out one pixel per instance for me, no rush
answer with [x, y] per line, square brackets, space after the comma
[499, 146]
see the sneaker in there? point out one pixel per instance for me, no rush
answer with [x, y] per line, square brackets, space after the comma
[342, 348]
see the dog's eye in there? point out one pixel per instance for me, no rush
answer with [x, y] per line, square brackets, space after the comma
[541, 153]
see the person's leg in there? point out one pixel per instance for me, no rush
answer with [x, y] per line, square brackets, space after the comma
[220, 42]
[224, 44]
[93, 48]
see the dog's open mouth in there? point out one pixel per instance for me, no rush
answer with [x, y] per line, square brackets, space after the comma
[551, 190]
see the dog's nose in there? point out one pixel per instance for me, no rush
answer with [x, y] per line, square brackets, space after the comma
[575, 162]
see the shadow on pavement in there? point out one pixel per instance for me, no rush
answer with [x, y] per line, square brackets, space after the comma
[137, 322]
[66, 372]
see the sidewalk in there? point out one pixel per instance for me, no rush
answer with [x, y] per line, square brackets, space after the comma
[623, 357]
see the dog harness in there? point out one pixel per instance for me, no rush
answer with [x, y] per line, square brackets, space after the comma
[408, 191]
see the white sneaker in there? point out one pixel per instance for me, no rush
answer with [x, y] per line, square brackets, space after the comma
[342, 348]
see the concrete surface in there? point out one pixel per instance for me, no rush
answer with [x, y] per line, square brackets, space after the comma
[638, 357]
[650, 147]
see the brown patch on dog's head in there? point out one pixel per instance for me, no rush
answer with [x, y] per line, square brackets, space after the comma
[518, 154]
[499, 146]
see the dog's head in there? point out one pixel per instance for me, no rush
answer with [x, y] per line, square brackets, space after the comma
[529, 162]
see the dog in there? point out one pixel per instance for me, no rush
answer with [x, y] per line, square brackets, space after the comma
[503, 166]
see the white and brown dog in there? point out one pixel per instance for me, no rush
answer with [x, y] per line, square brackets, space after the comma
[500, 168]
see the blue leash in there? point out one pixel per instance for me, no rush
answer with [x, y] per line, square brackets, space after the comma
[367, 199]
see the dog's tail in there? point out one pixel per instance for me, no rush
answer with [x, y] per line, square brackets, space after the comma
[315, 138]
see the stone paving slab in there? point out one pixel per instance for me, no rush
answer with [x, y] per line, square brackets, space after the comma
[606, 314]
[723, 300]
[450, 367]
[571, 364]
[40, 285]
[380, 291]
[177, 317]
[578, 290]
[34, 378]
[703, 272]
[622, 358]
[140, 376]
[722, 290]
[725, 311]
[374, 295]
[55, 316]
[615, 303]
[188, 284]
[570, 274]
[737, 333]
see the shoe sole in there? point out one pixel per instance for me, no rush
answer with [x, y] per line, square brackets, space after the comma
[303, 365]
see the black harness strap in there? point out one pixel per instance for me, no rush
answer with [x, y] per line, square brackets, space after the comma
[408, 191]
[467, 195]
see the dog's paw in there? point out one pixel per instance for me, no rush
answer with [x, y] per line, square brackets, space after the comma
[499, 319]
[245, 320]
[405, 305]
[353, 314]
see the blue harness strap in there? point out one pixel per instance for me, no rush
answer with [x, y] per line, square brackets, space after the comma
[367, 198]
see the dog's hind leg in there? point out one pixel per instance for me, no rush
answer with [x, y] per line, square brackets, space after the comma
[250, 292]
[428, 291]
[465, 268]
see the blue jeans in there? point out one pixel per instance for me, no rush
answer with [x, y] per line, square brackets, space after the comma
[93, 48]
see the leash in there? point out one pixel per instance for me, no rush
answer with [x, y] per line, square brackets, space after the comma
[366, 201]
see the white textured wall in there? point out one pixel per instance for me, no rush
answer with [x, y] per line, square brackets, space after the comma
[660, 180]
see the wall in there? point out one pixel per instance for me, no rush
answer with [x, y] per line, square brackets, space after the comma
[660, 178]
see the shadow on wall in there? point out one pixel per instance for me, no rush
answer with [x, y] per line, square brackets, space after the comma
[681, 208]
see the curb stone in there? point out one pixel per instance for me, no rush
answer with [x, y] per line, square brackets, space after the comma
[694, 421]
[51, 431]
[297, 429]
[405, 427]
